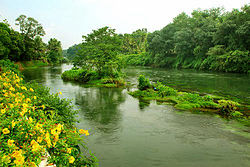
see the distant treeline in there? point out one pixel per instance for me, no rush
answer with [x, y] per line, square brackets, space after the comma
[27, 44]
[207, 40]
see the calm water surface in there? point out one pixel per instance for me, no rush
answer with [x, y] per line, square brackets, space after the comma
[125, 132]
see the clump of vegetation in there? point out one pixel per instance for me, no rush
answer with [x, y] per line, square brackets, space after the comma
[163, 90]
[144, 83]
[184, 100]
[98, 59]
[229, 108]
[34, 122]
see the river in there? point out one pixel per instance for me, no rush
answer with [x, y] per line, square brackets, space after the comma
[125, 132]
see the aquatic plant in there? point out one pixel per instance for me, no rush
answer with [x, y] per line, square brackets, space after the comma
[144, 83]
[184, 100]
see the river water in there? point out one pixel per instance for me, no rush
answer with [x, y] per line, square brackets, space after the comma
[125, 132]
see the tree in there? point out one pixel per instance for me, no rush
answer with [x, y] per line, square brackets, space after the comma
[31, 31]
[39, 48]
[136, 42]
[29, 27]
[99, 51]
[11, 43]
[54, 53]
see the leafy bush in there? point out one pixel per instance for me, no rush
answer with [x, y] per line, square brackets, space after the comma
[142, 59]
[74, 74]
[144, 83]
[7, 65]
[34, 123]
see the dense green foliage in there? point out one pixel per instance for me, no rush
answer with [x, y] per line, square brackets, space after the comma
[72, 52]
[92, 77]
[187, 101]
[208, 39]
[134, 43]
[27, 44]
[98, 58]
[144, 83]
[99, 52]
[54, 53]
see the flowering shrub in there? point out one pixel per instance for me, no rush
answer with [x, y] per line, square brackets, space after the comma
[29, 129]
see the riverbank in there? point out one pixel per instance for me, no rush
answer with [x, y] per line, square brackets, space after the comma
[34, 122]
[31, 64]
[190, 101]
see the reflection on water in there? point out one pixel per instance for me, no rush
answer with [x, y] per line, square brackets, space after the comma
[127, 132]
[101, 107]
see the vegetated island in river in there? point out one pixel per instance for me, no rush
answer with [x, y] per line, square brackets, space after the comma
[100, 63]
[190, 101]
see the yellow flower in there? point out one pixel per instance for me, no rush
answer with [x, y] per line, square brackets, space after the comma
[12, 89]
[47, 139]
[19, 160]
[38, 125]
[3, 111]
[6, 159]
[86, 132]
[34, 97]
[56, 138]
[59, 127]
[53, 131]
[60, 93]
[30, 120]
[16, 154]
[11, 105]
[81, 131]
[35, 146]
[32, 164]
[28, 100]
[13, 123]
[49, 143]
[25, 105]
[39, 139]
[5, 131]
[69, 150]
[10, 142]
[23, 88]
[22, 113]
[71, 159]
[32, 90]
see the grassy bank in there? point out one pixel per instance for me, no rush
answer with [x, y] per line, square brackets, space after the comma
[191, 101]
[34, 122]
[93, 78]
[31, 64]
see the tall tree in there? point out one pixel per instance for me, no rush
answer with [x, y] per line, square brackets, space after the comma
[54, 53]
[29, 27]
[99, 51]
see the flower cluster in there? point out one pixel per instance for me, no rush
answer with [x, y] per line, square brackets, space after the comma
[29, 129]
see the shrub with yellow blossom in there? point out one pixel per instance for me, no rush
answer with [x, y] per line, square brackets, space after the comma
[33, 122]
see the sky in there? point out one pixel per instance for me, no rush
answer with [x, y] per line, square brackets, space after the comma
[68, 20]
